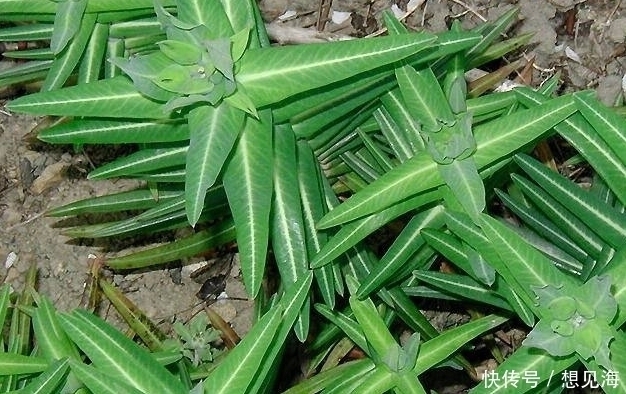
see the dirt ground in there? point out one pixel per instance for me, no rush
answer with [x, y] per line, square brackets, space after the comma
[584, 40]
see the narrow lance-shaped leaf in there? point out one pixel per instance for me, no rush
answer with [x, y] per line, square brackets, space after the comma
[424, 98]
[66, 62]
[288, 232]
[313, 208]
[403, 248]
[114, 354]
[213, 132]
[272, 74]
[531, 268]
[418, 174]
[589, 208]
[93, 56]
[463, 179]
[248, 184]
[112, 98]
[438, 349]
[67, 20]
[238, 371]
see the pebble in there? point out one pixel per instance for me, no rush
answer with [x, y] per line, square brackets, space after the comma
[49, 178]
[617, 30]
[10, 217]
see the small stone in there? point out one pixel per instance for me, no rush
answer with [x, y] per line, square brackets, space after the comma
[10, 217]
[608, 89]
[49, 178]
[617, 30]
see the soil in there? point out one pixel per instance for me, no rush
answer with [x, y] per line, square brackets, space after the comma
[583, 40]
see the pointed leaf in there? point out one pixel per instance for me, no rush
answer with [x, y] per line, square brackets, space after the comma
[186, 247]
[145, 160]
[588, 207]
[104, 131]
[532, 269]
[438, 349]
[287, 228]
[114, 354]
[114, 97]
[100, 383]
[272, 74]
[67, 21]
[66, 62]
[402, 249]
[418, 174]
[213, 131]
[248, 185]
[238, 371]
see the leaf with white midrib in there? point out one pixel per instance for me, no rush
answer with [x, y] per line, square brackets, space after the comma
[113, 98]
[213, 132]
[419, 174]
[273, 74]
[248, 184]
[608, 222]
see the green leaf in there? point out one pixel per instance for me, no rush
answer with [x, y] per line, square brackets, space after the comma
[214, 131]
[349, 326]
[374, 328]
[438, 349]
[543, 226]
[418, 174]
[27, 32]
[239, 369]
[182, 53]
[202, 241]
[531, 268]
[116, 355]
[424, 98]
[396, 139]
[577, 131]
[112, 98]
[52, 341]
[129, 200]
[93, 57]
[352, 233]
[142, 161]
[272, 74]
[248, 185]
[332, 377]
[66, 62]
[588, 207]
[67, 20]
[313, 208]
[462, 177]
[209, 13]
[99, 382]
[610, 126]
[287, 227]
[462, 286]
[50, 380]
[143, 70]
[403, 248]
[19, 364]
[114, 131]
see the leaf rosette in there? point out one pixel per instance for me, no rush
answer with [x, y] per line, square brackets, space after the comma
[576, 320]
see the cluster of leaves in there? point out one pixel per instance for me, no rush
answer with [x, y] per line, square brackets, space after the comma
[253, 143]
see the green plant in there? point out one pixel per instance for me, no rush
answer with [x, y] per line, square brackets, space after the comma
[253, 143]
